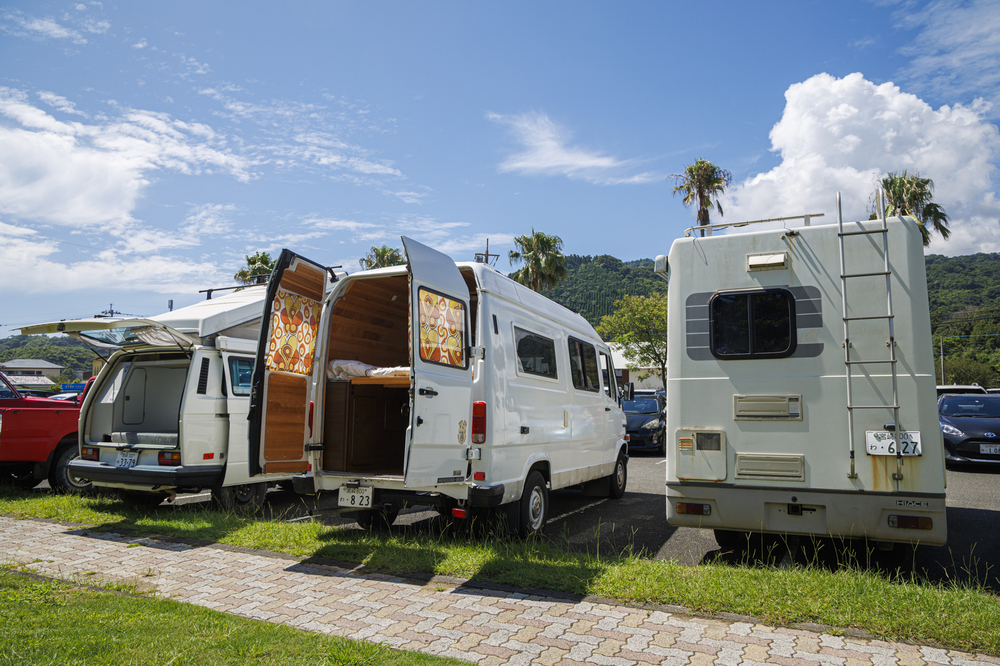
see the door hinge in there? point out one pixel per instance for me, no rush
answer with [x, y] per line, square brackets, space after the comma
[478, 352]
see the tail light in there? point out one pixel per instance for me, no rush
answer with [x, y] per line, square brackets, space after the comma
[694, 509]
[479, 476]
[310, 418]
[460, 513]
[170, 458]
[478, 422]
[911, 522]
[90, 453]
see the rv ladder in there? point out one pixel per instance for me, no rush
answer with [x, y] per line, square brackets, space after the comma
[849, 363]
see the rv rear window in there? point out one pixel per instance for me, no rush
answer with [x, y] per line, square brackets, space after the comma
[536, 355]
[442, 329]
[240, 370]
[756, 324]
[583, 365]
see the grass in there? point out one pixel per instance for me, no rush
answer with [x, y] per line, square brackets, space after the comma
[46, 622]
[896, 605]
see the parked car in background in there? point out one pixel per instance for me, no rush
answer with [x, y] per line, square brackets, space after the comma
[647, 423]
[970, 426]
[38, 439]
[960, 388]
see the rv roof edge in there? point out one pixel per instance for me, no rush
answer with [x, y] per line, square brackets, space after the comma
[723, 225]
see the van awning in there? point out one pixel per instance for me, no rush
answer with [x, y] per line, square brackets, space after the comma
[115, 332]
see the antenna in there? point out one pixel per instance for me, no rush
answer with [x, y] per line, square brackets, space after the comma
[110, 312]
[484, 257]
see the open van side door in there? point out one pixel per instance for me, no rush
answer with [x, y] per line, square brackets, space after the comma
[442, 370]
[282, 374]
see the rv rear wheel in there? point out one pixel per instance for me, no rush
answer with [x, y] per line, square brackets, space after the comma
[380, 519]
[619, 478]
[534, 504]
[61, 478]
[246, 498]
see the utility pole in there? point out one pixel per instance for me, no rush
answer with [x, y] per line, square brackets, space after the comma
[110, 312]
[484, 257]
[942, 360]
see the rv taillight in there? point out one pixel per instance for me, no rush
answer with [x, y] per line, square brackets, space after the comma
[170, 458]
[459, 513]
[90, 453]
[911, 522]
[478, 422]
[479, 476]
[310, 418]
[694, 509]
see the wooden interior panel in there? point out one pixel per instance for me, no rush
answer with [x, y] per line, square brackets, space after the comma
[367, 325]
[286, 467]
[470, 281]
[378, 419]
[285, 417]
[305, 280]
[335, 427]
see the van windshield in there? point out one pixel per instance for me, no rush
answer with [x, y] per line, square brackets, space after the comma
[640, 406]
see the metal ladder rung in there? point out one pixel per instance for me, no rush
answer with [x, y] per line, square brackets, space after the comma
[869, 362]
[859, 233]
[868, 317]
[854, 275]
[873, 406]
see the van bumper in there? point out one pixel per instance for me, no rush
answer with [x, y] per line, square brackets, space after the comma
[202, 476]
[486, 496]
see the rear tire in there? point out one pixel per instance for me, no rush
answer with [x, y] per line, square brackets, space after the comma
[60, 478]
[619, 478]
[534, 505]
[378, 519]
[246, 499]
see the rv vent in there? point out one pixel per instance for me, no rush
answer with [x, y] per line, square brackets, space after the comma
[767, 407]
[774, 466]
[203, 378]
[685, 443]
[767, 261]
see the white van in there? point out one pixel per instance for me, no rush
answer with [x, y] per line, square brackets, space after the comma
[432, 384]
[801, 384]
[168, 412]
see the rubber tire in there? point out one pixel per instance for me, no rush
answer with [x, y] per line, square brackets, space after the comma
[141, 499]
[732, 540]
[60, 477]
[378, 519]
[245, 499]
[534, 505]
[22, 480]
[618, 478]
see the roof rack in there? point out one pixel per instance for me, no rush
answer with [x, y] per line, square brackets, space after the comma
[723, 225]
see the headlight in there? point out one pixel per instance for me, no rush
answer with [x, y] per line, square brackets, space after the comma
[949, 429]
[651, 425]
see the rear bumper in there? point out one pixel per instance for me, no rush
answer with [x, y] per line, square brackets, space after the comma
[146, 475]
[486, 496]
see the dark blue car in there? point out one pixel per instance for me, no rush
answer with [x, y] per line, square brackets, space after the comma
[647, 424]
[970, 425]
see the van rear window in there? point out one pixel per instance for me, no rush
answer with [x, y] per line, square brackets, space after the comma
[583, 365]
[536, 354]
[756, 324]
[442, 329]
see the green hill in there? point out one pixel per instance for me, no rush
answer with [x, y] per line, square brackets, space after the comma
[61, 350]
[593, 284]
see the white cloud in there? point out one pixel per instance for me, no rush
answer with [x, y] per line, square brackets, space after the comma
[141, 44]
[547, 153]
[840, 134]
[208, 220]
[59, 102]
[955, 54]
[19, 24]
[87, 175]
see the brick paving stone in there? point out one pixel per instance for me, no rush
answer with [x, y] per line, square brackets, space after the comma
[483, 626]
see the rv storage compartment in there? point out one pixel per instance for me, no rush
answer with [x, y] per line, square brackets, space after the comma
[364, 428]
[139, 404]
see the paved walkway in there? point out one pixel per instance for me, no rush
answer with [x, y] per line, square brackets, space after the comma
[446, 617]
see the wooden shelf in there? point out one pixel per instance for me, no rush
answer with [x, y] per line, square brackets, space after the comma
[385, 380]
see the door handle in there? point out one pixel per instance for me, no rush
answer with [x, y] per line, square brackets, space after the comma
[428, 392]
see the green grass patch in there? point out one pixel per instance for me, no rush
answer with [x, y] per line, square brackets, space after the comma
[895, 605]
[54, 623]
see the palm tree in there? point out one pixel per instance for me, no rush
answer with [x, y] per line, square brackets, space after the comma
[382, 257]
[544, 264]
[259, 264]
[909, 194]
[703, 183]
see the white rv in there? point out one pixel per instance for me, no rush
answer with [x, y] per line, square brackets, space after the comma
[432, 384]
[801, 384]
[168, 412]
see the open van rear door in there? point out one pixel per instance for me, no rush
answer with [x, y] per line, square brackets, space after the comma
[282, 374]
[115, 332]
[442, 370]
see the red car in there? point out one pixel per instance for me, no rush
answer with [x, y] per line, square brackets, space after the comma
[38, 438]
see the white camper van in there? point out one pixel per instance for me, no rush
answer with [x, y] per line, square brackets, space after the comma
[801, 384]
[433, 384]
[168, 412]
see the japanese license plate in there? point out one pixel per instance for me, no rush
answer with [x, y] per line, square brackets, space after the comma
[358, 497]
[989, 448]
[127, 459]
[882, 443]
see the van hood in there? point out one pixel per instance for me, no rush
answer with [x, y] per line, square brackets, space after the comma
[115, 332]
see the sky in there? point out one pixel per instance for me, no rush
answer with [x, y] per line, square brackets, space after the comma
[147, 148]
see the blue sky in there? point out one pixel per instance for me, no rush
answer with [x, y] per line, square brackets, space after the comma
[146, 148]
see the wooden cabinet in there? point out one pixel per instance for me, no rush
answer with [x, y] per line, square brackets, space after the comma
[364, 428]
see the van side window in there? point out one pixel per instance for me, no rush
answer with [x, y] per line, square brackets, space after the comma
[756, 324]
[240, 372]
[536, 355]
[608, 374]
[583, 365]
[442, 329]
